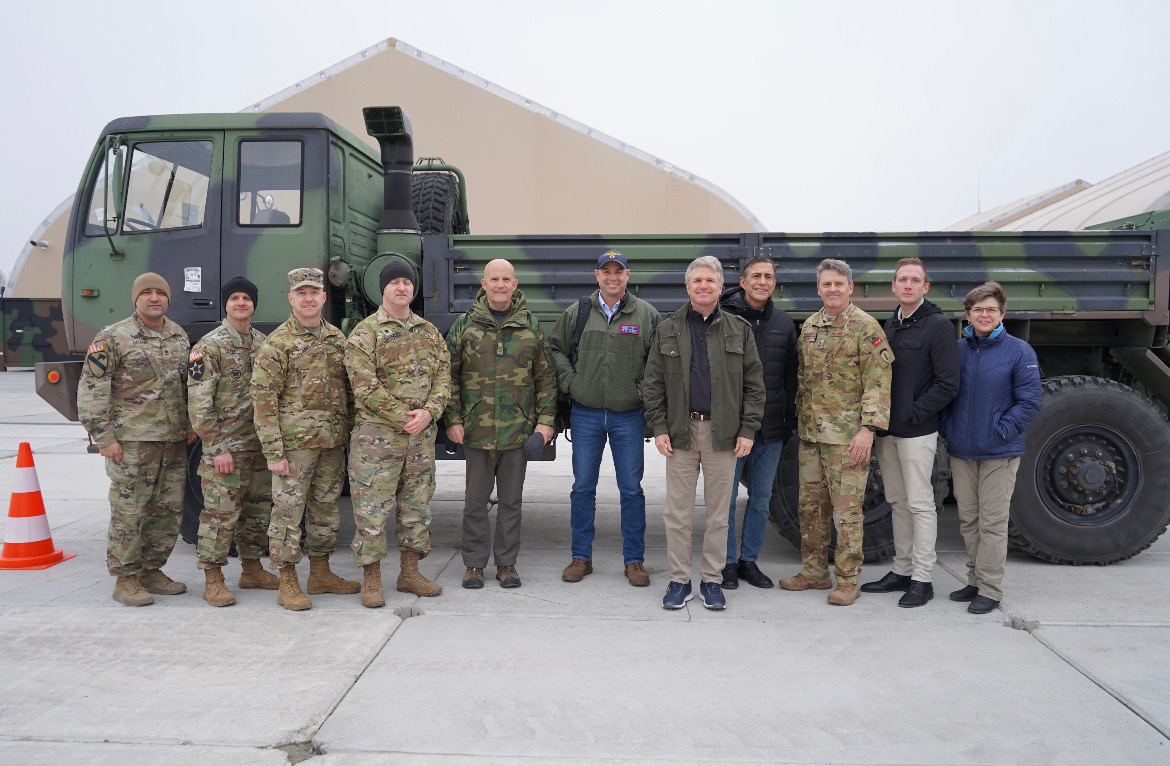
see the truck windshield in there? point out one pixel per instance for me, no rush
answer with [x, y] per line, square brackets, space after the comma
[270, 183]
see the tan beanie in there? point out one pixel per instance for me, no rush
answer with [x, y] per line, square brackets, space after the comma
[147, 281]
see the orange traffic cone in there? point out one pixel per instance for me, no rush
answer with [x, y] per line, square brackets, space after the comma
[28, 544]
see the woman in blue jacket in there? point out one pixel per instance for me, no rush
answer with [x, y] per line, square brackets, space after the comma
[999, 395]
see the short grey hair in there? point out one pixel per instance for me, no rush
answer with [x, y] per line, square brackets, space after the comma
[710, 262]
[833, 264]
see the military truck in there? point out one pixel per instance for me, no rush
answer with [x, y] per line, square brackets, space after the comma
[202, 198]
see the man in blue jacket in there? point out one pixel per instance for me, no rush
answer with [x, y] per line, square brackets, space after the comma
[999, 395]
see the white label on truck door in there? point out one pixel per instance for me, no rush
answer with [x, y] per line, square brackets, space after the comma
[193, 279]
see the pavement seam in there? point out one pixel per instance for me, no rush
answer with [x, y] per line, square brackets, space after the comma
[1102, 685]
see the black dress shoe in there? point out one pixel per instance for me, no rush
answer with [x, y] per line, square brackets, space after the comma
[982, 605]
[966, 593]
[751, 574]
[730, 578]
[917, 594]
[888, 584]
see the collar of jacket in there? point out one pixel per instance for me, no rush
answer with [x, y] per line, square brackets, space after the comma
[735, 300]
[237, 338]
[819, 317]
[925, 309]
[481, 312]
[296, 328]
[622, 305]
[683, 312]
[994, 337]
[411, 319]
[168, 329]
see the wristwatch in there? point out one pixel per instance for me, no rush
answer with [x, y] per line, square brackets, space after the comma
[872, 429]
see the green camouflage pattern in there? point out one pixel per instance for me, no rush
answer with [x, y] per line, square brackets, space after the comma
[133, 384]
[236, 506]
[397, 365]
[300, 393]
[392, 476]
[503, 383]
[843, 378]
[219, 390]
[146, 505]
[32, 330]
[310, 491]
[305, 276]
[832, 488]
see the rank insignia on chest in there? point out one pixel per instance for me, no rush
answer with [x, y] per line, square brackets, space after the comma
[236, 374]
[630, 329]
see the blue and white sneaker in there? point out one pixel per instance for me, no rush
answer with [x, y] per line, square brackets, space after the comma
[712, 595]
[677, 594]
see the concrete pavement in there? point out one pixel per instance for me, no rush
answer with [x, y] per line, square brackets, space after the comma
[1072, 669]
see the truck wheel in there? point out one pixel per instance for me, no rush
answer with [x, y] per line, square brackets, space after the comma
[436, 203]
[878, 542]
[1094, 482]
[192, 495]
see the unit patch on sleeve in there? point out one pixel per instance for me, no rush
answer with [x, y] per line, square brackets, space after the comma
[630, 329]
[97, 360]
[196, 368]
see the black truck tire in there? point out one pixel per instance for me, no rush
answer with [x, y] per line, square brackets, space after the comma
[1094, 483]
[436, 203]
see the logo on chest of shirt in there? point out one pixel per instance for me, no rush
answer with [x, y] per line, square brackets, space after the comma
[629, 329]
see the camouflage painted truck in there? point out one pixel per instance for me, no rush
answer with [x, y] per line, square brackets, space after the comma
[202, 198]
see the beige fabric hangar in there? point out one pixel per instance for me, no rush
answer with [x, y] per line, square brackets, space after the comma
[529, 169]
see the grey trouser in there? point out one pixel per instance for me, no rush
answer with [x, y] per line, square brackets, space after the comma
[504, 471]
[983, 490]
[906, 467]
[682, 476]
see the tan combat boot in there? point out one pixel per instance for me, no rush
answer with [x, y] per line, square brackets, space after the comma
[844, 594]
[803, 582]
[129, 592]
[291, 596]
[254, 576]
[215, 592]
[159, 584]
[323, 580]
[410, 580]
[372, 586]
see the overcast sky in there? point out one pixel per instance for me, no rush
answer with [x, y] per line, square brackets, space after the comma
[818, 116]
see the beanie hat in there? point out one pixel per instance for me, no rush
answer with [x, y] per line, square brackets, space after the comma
[393, 270]
[146, 281]
[238, 285]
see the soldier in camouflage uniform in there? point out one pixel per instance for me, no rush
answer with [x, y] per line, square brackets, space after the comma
[237, 485]
[503, 394]
[133, 403]
[843, 397]
[304, 408]
[399, 369]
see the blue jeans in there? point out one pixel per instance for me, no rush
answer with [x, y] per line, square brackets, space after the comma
[625, 430]
[762, 462]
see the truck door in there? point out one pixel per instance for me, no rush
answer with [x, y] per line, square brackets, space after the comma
[170, 225]
[273, 219]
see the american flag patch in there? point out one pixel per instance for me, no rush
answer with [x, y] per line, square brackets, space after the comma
[96, 347]
[629, 329]
[196, 353]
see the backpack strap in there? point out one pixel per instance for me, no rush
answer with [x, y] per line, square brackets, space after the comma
[583, 307]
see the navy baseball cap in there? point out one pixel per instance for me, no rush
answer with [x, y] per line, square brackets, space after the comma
[612, 256]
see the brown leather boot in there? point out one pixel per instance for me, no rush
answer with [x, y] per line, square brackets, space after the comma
[129, 592]
[410, 580]
[803, 582]
[322, 579]
[844, 594]
[254, 576]
[372, 586]
[291, 596]
[215, 592]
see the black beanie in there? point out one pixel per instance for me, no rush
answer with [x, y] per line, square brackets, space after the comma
[238, 285]
[392, 271]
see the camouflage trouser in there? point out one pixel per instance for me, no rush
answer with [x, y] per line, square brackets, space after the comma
[315, 478]
[146, 505]
[391, 475]
[832, 486]
[236, 504]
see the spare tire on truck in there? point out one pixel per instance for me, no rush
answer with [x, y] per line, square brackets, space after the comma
[435, 196]
[1094, 483]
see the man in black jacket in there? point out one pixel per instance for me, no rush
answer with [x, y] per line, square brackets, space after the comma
[925, 380]
[775, 335]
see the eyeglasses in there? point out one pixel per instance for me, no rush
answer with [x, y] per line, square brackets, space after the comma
[980, 310]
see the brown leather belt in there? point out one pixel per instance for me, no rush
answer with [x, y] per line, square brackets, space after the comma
[699, 416]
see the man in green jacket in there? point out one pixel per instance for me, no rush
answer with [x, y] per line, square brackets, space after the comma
[602, 374]
[503, 392]
[704, 392]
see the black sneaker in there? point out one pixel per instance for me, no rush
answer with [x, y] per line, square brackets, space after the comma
[731, 577]
[677, 594]
[508, 577]
[712, 595]
[751, 574]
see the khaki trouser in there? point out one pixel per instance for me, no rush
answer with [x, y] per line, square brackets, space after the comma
[983, 490]
[906, 467]
[682, 475]
[505, 472]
